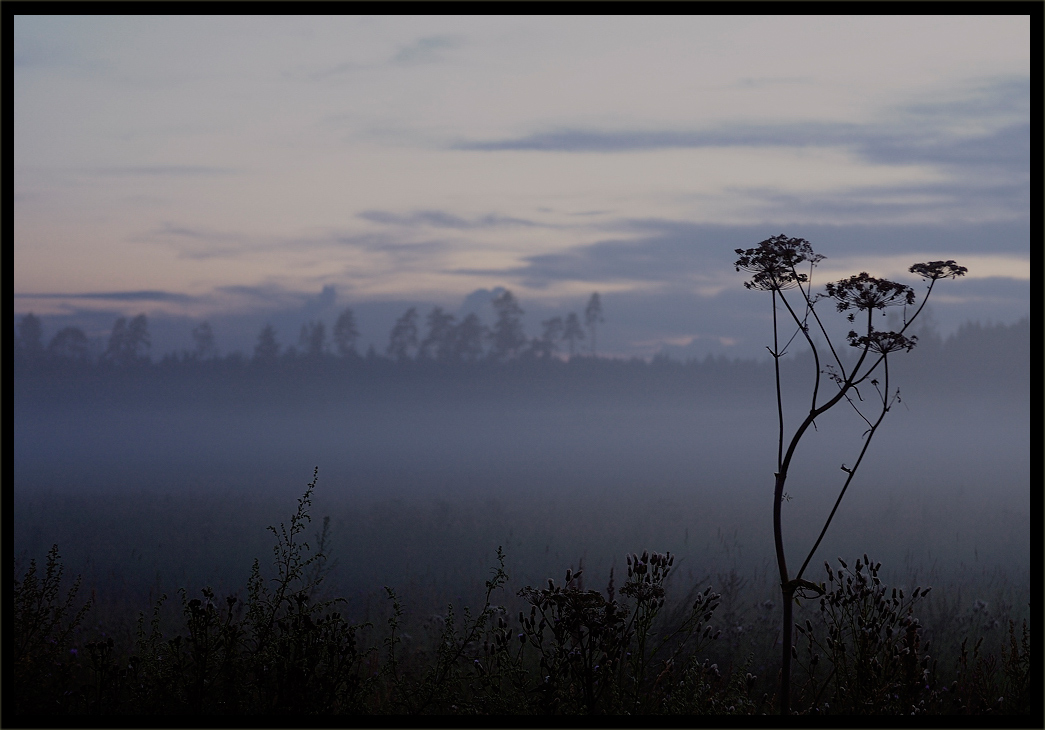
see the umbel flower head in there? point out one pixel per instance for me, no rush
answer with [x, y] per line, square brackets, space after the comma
[773, 263]
[864, 292]
[883, 342]
[934, 270]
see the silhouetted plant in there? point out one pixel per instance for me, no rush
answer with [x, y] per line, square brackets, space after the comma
[874, 659]
[774, 265]
[287, 653]
[458, 667]
[986, 685]
[599, 651]
[39, 645]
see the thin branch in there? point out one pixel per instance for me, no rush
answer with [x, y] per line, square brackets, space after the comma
[849, 478]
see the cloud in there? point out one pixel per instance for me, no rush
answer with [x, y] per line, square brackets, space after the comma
[336, 71]
[442, 219]
[670, 254]
[986, 127]
[951, 200]
[1008, 147]
[200, 243]
[147, 295]
[428, 49]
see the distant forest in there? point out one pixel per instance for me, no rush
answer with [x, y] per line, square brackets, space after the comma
[444, 340]
[977, 359]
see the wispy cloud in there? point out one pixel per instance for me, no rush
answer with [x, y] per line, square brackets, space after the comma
[147, 295]
[200, 243]
[428, 49]
[1005, 147]
[985, 128]
[442, 219]
[671, 254]
[334, 72]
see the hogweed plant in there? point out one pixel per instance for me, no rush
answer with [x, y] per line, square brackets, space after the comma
[784, 266]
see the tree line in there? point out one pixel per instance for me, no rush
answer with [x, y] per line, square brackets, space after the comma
[440, 338]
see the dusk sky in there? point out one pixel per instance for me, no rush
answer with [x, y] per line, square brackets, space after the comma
[245, 170]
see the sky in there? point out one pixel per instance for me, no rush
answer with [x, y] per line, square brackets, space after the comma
[245, 170]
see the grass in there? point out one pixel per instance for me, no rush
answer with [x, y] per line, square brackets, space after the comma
[649, 638]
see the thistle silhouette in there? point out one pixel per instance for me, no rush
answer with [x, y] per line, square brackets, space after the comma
[774, 265]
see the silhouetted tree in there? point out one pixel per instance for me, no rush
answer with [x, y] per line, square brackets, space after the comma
[507, 337]
[403, 339]
[545, 346]
[129, 343]
[345, 334]
[572, 332]
[592, 317]
[468, 339]
[313, 338]
[29, 339]
[203, 341]
[438, 344]
[70, 344]
[267, 348]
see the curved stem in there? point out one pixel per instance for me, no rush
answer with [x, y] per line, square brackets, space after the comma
[849, 479]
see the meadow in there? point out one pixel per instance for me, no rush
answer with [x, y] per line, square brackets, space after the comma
[419, 487]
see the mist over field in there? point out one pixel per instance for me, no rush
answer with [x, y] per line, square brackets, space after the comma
[162, 480]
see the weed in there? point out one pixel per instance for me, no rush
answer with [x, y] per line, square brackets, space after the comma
[41, 649]
[774, 265]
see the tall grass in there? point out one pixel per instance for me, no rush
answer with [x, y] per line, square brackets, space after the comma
[647, 642]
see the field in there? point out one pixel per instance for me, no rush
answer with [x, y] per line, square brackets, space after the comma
[422, 492]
